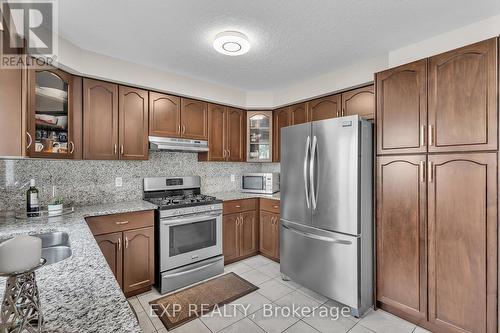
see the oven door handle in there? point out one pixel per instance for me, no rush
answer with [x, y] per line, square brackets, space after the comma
[186, 220]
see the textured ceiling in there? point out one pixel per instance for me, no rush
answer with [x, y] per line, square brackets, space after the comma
[291, 40]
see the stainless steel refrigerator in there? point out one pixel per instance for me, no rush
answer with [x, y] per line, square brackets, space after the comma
[326, 233]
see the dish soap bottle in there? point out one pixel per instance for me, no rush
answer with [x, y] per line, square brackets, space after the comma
[32, 204]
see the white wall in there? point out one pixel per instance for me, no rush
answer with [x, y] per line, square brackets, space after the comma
[95, 65]
[466, 35]
[334, 81]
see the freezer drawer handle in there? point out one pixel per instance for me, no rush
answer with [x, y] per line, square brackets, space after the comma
[306, 157]
[322, 238]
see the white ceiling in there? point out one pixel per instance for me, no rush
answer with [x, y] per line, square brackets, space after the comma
[292, 40]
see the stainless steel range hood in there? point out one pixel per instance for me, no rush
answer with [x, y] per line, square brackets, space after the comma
[176, 144]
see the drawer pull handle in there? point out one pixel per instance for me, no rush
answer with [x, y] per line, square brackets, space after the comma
[126, 242]
[276, 207]
[119, 244]
[237, 206]
[121, 222]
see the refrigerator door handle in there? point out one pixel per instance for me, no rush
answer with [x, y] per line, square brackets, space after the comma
[311, 172]
[306, 158]
[318, 237]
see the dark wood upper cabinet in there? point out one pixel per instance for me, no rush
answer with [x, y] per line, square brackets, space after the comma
[217, 134]
[402, 109]
[359, 101]
[226, 134]
[14, 136]
[194, 119]
[133, 123]
[298, 114]
[236, 135]
[281, 119]
[325, 107]
[463, 242]
[51, 111]
[100, 120]
[249, 235]
[463, 98]
[138, 259]
[164, 115]
[231, 237]
[111, 248]
[401, 235]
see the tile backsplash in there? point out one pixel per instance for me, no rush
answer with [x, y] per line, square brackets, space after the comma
[93, 182]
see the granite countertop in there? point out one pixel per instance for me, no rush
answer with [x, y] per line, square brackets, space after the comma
[236, 195]
[79, 294]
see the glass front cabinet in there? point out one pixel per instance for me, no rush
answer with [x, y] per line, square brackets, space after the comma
[259, 136]
[50, 132]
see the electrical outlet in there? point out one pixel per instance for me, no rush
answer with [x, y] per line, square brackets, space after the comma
[118, 182]
[233, 178]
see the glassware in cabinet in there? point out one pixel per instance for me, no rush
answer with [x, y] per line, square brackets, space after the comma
[50, 114]
[259, 136]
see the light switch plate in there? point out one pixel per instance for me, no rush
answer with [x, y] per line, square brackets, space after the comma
[233, 178]
[118, 182]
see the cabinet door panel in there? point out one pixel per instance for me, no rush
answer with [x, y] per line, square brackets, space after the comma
[50, 118]
[194, 119]
[401, 239]
[462, 242]
[267, 243]
[235, 135]
[216, 133]
[231, 239]
[100, 120]
[249, 231]
[463, 92]
[402, 109]
[281, 119]
[164, 115]
[111, 248]
[12, 129]
[325, 108]
[359, 101]
[298, 114]
[133, 120]
[138, 259]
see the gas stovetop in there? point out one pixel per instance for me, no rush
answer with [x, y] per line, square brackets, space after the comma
[179, 201]
[178, 192]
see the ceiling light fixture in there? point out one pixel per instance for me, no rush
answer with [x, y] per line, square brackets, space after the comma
[231, 43]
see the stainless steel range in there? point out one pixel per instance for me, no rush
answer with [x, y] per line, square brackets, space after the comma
[188, 232]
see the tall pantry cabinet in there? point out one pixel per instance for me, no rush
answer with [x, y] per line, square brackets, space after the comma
[437, 157]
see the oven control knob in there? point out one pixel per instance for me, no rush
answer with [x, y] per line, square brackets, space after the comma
[212, 207]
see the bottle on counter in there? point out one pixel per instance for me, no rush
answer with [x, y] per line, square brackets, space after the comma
[32, 203]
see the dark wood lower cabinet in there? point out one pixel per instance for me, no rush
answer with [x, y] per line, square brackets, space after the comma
[138, 259]
[127, 242]
[231, 239]
[240, 235]
[437, 240]
[249, 233]
[111, 248]
[401, 235]
[269, 235]
[462, 231]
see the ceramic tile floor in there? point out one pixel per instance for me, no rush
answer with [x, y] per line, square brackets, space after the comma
[272, 290]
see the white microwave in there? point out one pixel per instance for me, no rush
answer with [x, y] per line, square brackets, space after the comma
[265, 183]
